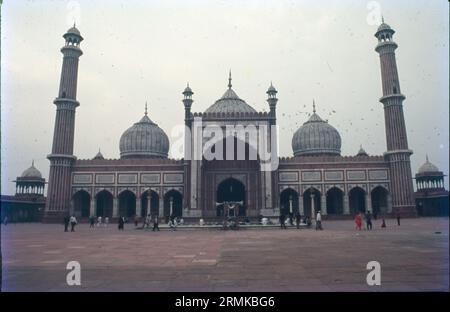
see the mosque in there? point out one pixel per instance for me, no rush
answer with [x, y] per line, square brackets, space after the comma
[145, 181]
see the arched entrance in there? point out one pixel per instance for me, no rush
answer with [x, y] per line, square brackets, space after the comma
[335, 201]
[81, 204]
[379, 200]
[127, 204]
[173, 200]
[152, 198]
[104, 203]
[289, 202]
[309, 196]
[231, 190]
[357, 202]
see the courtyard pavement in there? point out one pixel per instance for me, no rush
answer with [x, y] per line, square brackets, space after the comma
[413, 257]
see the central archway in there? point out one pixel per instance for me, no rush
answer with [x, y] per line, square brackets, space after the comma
[231, 190]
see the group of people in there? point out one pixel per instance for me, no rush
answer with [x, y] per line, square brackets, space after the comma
[298, 220]
[368, 217]
[93, 222]
[72, 220]
[148, 219]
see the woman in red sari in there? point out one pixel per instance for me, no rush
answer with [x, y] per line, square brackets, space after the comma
[358, 221]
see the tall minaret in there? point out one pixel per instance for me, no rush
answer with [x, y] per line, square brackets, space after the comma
[397, 153]
[62, 158]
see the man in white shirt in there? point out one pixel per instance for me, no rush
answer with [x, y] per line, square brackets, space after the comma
[319, 221]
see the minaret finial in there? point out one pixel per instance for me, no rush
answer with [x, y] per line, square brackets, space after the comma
[145, 108]
[314, 106]
[229, 80]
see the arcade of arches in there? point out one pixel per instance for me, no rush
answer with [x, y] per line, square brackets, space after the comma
[335, 202]
[126, 204]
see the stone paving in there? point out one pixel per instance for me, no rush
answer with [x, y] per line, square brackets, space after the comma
[413, 257]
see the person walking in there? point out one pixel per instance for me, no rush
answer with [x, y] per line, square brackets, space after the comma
[99, 221]
[298, 217]
[155, 223]
[319, 221]
[398, 218]
[91, 221]
[368, 220]
[282, 221]
[73, 222]
[383, 222]
[106, 221]
[66, 223]
[5, 220]
[136, 221]
[358, 221]
[121, 223]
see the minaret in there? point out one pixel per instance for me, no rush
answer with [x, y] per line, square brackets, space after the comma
[397, 153]
[272, 100]
[62, 158]
[187, 101]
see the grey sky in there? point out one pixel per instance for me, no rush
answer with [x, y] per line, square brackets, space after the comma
[137, 51]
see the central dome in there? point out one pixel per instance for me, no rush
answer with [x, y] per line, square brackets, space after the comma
[144, 140]
[230, 103]
[316, 137]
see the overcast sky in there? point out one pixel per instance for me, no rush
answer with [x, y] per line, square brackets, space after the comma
[137, 51]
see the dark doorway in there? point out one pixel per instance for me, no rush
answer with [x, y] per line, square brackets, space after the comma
[231, 190]
[176, 199]
[289, 202]
[357, 200]
[154, 203]
[127, 204]
[81, 204]
[379, 200]
[307, 200]
[104, 201]
[335, 204]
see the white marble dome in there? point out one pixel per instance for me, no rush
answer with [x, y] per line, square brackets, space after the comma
[316, 137]
[144, 140]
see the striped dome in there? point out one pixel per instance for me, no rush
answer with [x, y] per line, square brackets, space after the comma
[316, 137]
[144, 140]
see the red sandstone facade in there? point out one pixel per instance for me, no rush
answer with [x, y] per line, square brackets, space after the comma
[338, 186]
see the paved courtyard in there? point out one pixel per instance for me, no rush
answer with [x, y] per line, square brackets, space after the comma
[413, 257]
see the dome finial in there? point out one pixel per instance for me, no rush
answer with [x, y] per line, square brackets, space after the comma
[314, 106]
[382, 18]
[145, 108]
[426, 156]
[32, 163]
[229, 80]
